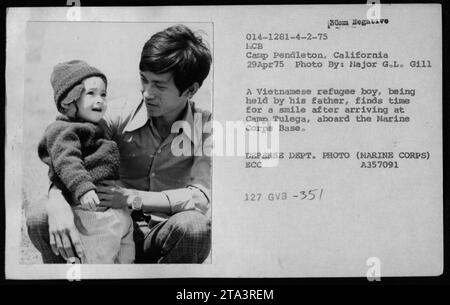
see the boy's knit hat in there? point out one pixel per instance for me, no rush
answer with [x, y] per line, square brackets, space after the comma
[66, 81]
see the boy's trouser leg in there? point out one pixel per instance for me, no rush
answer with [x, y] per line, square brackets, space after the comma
[184, 238]
[127, 251]
[102, 235]
[37, 226]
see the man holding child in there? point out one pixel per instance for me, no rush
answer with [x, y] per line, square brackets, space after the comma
[172, 192]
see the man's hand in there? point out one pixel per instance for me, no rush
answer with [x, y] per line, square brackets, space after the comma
[112, 195]
[90, 200]
[64, 236]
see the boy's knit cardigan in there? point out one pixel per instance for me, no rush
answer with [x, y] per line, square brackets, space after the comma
[78, 156]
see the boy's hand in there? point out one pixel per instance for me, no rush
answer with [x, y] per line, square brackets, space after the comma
[90, 200]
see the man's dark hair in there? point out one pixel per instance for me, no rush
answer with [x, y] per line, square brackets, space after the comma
[178, 50]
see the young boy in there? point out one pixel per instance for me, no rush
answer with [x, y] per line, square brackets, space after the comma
[79, 157]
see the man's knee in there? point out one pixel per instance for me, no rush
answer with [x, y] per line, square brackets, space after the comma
[186, 238]
[193, 225]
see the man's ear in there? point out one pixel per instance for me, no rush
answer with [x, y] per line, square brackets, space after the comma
[191, 91]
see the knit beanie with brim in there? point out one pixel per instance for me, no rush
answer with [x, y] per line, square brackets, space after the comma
[66, 81]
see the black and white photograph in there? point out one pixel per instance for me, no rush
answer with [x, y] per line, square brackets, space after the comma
[103, 182]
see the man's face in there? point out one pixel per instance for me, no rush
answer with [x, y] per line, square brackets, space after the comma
[161, 96]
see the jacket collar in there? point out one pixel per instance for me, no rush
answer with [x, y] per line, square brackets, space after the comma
[63, 117]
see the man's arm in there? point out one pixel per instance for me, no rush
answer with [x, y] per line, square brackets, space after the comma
[171, 201]
[112, 195]
[195, 196]
[64, 236]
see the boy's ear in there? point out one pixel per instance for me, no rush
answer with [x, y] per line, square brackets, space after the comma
[70, 110]
[192, 90]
